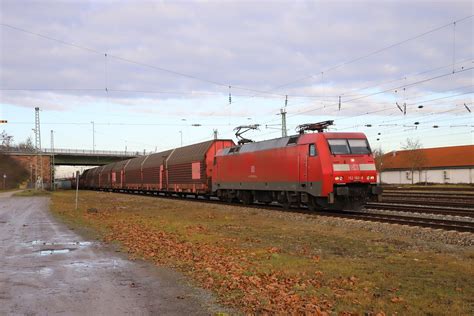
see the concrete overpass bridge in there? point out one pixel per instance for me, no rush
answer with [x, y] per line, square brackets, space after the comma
[75, 157]
[33, 162]
[81, 157]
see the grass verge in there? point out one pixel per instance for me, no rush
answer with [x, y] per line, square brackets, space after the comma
[273, 262]
[29, 192]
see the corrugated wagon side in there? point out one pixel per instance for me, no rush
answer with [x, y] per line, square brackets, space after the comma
[93, 180]
[118, 174]
[153, 173]
[189, 168]
[106, 176]
[133, 174]
[97, 177]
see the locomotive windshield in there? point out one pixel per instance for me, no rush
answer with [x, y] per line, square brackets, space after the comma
[349, 146]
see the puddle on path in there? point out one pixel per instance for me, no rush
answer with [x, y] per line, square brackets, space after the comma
[48, 252]
[94, 264]
[69, 243]
[46, 271]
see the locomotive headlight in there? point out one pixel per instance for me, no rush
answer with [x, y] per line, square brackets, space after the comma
[338, 178]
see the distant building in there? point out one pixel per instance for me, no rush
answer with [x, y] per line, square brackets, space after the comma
[431, 165]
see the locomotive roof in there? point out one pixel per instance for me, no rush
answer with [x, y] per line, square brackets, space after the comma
[262, 145]
[283, 142]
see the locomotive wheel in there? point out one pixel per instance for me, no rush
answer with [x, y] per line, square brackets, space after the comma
[246, 198]
[312, 205]
[284, 201]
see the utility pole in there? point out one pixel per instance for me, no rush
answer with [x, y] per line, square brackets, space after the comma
[31, 174]
[283, 119]
[39, 157]
[93, 137]
[215, 133]
[52, 160]
[283, 122]
[77, 188]
[181, 134]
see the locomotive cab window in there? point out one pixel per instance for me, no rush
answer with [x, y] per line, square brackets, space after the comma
[339, 146]
[359, 146]
[312, 150]
[349, 146]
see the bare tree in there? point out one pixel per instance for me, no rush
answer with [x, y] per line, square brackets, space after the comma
[6, 140]
[27, 146]
[378, 157]
[415, 158]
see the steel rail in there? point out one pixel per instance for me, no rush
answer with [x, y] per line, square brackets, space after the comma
[441, 203]
[455, 225]
[421, 209]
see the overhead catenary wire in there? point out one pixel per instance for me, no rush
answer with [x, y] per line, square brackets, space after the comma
[349, 100]
[128, 60]
[380, 92]
[375, 52]
[339, 97]
[216, 82]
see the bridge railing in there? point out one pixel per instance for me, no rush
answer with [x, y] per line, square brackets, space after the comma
[75, 152]
[92, 152]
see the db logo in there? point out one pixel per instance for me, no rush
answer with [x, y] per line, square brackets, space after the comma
[354, 167]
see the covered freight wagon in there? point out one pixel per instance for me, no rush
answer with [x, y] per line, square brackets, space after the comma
[189, 168]
[185, 169]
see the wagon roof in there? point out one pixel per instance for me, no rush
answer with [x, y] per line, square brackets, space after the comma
[109, 166]
[94, 170]
[135, 163]
[119, 165]
[195, 152]
[155, 160]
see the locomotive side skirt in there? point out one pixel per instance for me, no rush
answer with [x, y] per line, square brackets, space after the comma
[312, 188]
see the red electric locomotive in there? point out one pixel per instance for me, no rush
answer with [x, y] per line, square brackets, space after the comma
[321, 170]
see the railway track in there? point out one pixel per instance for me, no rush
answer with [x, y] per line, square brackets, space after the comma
[466, 189]
[425, 209]
[460, 226]
[437, 195]
[443, 202]
[445, 224]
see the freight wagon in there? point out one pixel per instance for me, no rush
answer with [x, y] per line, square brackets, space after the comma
[186, 169]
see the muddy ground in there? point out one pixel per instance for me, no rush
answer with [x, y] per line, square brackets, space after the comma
[46, 268]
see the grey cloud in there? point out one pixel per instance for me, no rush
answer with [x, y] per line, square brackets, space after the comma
[253, 44]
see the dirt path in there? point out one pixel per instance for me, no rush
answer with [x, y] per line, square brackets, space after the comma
[45, 268]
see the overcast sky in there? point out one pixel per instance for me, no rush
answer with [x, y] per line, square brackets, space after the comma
[169, 65]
